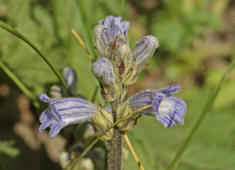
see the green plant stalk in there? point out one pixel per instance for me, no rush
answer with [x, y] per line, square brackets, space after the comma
[205, 110]
[122, 8]
[74, 163]
[95, 94]
[27, 41]
[87, 28]
[20, 84]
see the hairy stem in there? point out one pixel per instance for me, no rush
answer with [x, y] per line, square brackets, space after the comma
[115, 151]
[115, 144]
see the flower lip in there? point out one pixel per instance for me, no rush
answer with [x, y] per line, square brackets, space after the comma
[43, 97]
[169, 110]
[169, 90]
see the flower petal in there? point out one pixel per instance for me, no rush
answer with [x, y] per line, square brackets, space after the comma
[170, 110]
[102, 40]
[169, 90]
[143, 99]
[115, 26]
[45, 120]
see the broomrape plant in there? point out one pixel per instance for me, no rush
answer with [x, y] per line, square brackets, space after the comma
[116, 68]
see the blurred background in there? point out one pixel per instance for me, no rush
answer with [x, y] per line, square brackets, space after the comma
[197, 43]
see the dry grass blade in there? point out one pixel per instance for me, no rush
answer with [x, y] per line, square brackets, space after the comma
[83, 44]
[133, 152]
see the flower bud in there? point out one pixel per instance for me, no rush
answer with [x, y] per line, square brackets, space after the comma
[144, 49]
[70, 78]
[103, 70]
[102, 40]
[101, 122]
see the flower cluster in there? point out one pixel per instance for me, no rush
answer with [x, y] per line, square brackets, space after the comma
[116, 68]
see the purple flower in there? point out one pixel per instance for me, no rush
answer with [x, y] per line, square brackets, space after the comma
[107, 31]
[115, 26]
[103, 70]
[70, 78]
[65, 111]
[167, 109]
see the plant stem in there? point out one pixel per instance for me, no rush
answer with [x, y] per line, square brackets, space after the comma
[27, 41]
[115, 144]
[115, 151]
[122, 12]
[95, 94]
[205, 110]
[86, 27]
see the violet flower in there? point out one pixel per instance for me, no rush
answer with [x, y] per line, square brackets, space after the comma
[65, 111]
[107, 31]
[167, 109]
[115, 26]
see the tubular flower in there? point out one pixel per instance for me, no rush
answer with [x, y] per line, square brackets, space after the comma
[65, 111]
[167, 109]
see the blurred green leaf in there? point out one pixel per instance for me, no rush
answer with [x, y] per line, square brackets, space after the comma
[7, 148]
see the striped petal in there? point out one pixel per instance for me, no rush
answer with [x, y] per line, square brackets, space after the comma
[144, 49]
[65, 111]
[143, 99]
[115, 26]
[102, 40]
[170, 110]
